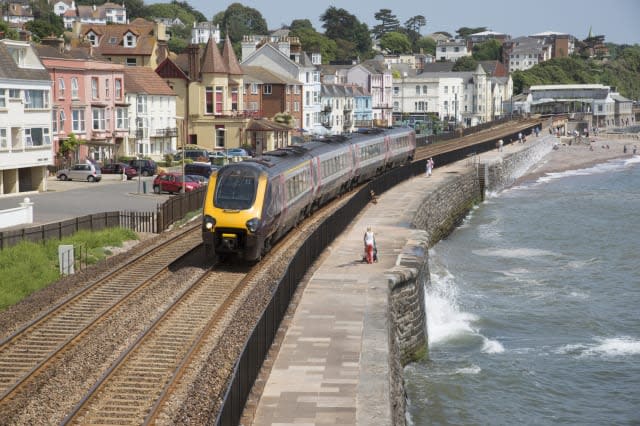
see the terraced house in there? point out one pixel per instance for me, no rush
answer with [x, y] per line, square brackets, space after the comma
[25, 119]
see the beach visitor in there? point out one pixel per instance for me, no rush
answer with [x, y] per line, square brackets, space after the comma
[370, 249]
[429, 166]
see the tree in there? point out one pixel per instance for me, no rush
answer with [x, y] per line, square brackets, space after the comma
[301, 24]
[426, 45]
[412, 28]
[9, 33]
[389, 23]
[465, 32]
[313, 41]
[465, 63]
[41, 28]
[348, 32]
[490, 50]
[238, 21]
[395, 42]
[69, 146]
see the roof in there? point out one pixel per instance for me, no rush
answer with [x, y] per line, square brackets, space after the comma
[212, 61]
[111, 37]
[256, 74]
[145, 80]
[264, 125]
[10, 69]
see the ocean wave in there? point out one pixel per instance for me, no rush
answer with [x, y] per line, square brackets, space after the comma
[605, 167]
[490, 346]
[609, 347]
[515, 253]
[474, 369]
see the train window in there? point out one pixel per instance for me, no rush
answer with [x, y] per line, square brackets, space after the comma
[235, 190]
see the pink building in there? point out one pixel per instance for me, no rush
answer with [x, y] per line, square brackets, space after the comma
[88, 100]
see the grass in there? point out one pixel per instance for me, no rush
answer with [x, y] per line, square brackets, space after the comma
[28, 267]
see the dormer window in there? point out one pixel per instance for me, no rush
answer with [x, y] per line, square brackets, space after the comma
[93, 38]
[129, 40]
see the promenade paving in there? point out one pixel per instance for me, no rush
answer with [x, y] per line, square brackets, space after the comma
[332, 364]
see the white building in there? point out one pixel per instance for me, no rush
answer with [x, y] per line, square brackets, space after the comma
[451, 50]
[338, 107]
[376, 78]
[152, 114]
[201, 32]
[523, 53]
[25, 119]
[106, 13]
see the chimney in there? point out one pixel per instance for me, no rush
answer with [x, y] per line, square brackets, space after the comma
[193, 53]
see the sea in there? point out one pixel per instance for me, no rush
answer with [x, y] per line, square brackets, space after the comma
[533, 309]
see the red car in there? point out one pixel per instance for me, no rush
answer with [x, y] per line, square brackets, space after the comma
[173, 182]
[117, 168]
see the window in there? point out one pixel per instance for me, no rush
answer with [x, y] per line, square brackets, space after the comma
[37, 136]
[267, 89]
[296, 89]
[93, 39]
[234, 99]
[446, 89]
[14, 94]
[417, 90]
[254, 88]
[3, 101]
[3, 139]
[130, 40]
[74, 87]
[118, 88]
[219, 99]
[107, 93]
[220, 130]
[208, 100]
[396, 90]
[77, 120]
[54, 121]
[307, 99]
[288, 89]
[131, 62]
[63, 118]
[122, 118]
[424, 89]
[60, 88]
[98, 118]
[141, 104]
[36, 99]
[94, 87]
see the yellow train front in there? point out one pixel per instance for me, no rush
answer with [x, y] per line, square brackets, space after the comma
[233, 211]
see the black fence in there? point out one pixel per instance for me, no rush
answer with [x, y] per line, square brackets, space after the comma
[176, 207]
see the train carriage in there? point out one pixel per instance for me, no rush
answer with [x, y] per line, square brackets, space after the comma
[251, 204]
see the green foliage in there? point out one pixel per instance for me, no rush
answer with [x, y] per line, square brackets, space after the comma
[69, 145]
[9, 33]
[465, 32]
[43, 28]
[395, 42]
[465, 63]
[313, 41]
[177, 45]
[28, 267]
[427, 44]
[238, 21]
[490, 50]
[352, 37]
[388, 23]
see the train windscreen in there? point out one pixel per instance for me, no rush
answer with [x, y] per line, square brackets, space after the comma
[236, 189]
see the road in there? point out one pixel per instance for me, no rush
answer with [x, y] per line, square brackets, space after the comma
[69, 199]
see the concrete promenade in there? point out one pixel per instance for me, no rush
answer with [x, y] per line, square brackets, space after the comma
[332, 367]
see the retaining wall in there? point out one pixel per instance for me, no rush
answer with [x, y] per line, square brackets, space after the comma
[435, 216]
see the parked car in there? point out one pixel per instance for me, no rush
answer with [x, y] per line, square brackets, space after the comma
[202, 169]
[83, 171]
[198, 178]
[118, 168]
[237, 152]
[144, 167]
[217, 154]
[192, 154]
[173, 182]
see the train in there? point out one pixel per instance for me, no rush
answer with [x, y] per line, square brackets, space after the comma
[250, 205]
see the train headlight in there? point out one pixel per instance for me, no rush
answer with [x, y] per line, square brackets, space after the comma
[252, 224]
[209, 222]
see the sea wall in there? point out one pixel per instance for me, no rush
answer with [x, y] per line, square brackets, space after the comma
[434, 217]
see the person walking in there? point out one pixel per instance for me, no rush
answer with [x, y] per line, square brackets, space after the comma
[429, 166]
[500, 144]
[370, 249]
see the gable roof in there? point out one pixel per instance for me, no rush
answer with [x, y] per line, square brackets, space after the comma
[111, 37]
[257, 74]
[145, 80]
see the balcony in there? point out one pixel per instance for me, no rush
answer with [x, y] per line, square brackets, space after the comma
[167, 132]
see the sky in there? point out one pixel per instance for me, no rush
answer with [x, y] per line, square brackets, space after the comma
[617, 20]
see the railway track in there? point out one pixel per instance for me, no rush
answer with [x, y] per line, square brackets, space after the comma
[28, 351]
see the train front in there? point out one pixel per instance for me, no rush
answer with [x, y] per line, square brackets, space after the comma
[232, 211]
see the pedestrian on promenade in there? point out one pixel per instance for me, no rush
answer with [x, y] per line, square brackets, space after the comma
[370, 249]
[429, 166]
[500, 144]
[520, 137]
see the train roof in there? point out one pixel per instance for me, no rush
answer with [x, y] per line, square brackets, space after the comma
[282, 159]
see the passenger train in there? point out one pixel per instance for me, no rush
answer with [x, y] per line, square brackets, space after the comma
[251, 204]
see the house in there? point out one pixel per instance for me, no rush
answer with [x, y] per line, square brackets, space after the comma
[152, 114]
[562, 44]
[25, 119]
[338, 111]
[267, 94]
[210, 98]
[522, 53]
[88, 101]
[451, 50]
[461, 98]
[285, 57]
[140, 43]
[201, 32]
[376, 78]
[17, 12]
[107, 13]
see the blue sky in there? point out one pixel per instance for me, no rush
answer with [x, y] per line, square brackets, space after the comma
[618, 20]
